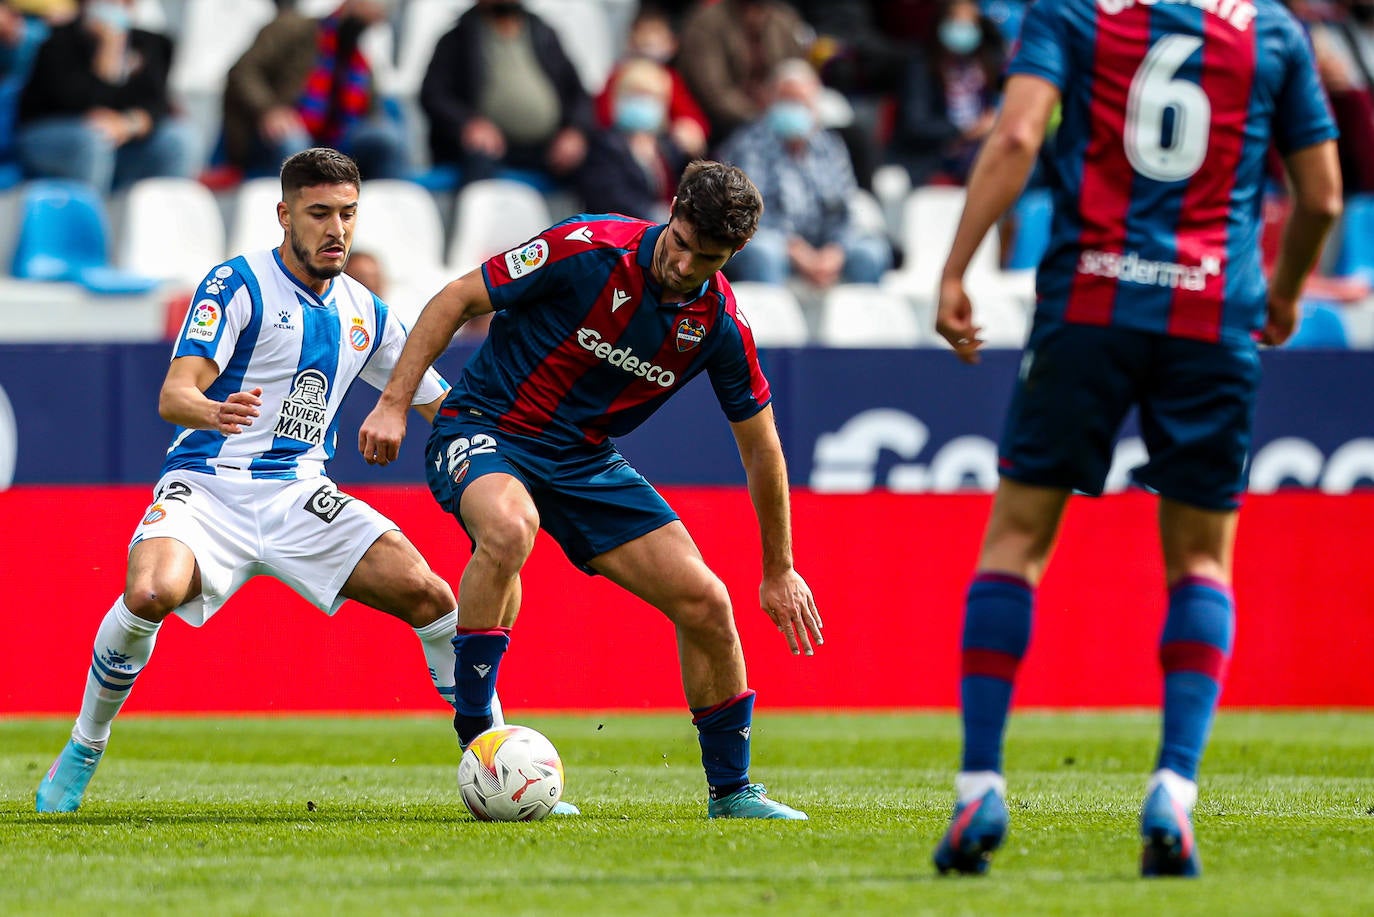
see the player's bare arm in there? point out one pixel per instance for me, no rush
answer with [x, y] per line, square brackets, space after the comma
[379, 438]
[182, 400]
[1003, 165]
[1315, 175]
[784, 595]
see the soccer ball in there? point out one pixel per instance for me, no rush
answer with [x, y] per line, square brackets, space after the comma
[510, 773]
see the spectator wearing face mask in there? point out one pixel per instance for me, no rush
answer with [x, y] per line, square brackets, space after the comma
[632, 166]
[948, 97]
[652, 38]
[807, 181]
[95, 107]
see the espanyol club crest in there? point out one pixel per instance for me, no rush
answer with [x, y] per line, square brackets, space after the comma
[690, 333]
[357, 335]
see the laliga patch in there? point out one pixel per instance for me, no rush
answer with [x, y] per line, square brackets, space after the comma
[527, 260]
[204, 323]
[690, 333]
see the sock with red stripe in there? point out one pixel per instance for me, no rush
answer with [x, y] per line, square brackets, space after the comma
[1193, 651]
[723, 731]
[997, 624]
[477, 657]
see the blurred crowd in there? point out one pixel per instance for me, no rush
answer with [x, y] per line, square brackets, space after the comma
[820, 101]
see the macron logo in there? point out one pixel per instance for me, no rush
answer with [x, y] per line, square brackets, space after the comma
[481, 669]
[744, 733]
[581, 234]
[618, 299]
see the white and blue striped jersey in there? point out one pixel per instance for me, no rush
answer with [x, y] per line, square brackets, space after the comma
[264, 329]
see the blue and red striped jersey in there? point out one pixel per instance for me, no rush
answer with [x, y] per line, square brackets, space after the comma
[1169, 108]
[581, 348]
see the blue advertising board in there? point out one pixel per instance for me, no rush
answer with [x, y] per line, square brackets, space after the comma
[850, 420]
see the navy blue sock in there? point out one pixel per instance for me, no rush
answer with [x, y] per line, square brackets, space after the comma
[1193, 651]
[997, 624]
[477, 657]
[723, 731]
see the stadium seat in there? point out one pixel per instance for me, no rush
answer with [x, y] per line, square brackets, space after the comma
[891, 185]
[1355, 257]
[171, 229]
[584, 29]
[423, 23]
[930, 217]
[773, 314]
[1321, 327]
[866, 212]
[865, 315]
[210, 42]
[1034, 213]
[63, 237]
[254, 225]
[491, 216]
[399, 223]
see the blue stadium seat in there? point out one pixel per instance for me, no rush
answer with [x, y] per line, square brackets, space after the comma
[1034, 214]
[1321, 328]
[1356, 255]
[63, 236]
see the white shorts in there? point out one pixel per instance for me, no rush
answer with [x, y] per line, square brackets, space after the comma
[306, 533]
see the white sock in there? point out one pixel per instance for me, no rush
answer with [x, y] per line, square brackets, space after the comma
[436, 639]
[971, 785]
[123, 645]
[1183, 790]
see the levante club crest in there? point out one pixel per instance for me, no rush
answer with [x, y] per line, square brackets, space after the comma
[690, 333]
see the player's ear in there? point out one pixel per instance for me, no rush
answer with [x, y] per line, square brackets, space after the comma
[283, 215]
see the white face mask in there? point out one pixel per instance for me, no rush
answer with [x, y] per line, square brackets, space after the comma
[110, 14]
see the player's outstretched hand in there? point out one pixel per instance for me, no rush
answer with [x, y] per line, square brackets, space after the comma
[379, 438]
[788, 601]
[954, 320]
[238, 411]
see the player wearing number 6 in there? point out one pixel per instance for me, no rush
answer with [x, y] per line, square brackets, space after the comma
[271, 344]
[1151, 296]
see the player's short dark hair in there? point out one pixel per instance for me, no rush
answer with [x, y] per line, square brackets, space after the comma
[719, 201]
[318, 166]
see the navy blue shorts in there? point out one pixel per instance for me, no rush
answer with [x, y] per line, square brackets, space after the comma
[1077, 384]
[588, 497]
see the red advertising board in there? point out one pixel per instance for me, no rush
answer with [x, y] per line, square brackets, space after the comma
[888, 571]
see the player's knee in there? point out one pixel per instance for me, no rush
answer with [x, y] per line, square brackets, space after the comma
[508, 541]
[153, 599]
[705, 610]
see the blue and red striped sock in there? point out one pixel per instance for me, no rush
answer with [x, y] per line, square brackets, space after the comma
[1193, 651]
[997, 625]
[723, 731]
[477, 658]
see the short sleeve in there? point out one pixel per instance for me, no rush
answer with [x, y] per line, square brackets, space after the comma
[222, 306]
[1041, 49]
[1302, 115]
[736, 376]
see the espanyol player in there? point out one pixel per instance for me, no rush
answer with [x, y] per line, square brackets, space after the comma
[270, 346]
[1150, 295]
[598, 321]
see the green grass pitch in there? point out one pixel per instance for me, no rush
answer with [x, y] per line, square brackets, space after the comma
[361, 816]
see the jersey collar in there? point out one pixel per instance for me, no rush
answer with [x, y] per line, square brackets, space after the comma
[314, 297]
[645, 258]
